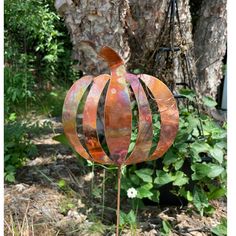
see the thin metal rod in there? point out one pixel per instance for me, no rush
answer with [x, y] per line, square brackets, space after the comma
[118, 202]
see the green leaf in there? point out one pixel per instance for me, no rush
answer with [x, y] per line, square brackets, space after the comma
[156, 196]
[189, 196]
[178, 164]
[62, 139]
[208, 101]
[131, 217]
[209, 170]
[163, 178]
[135, 179]
[10, 177]
[12, 117]
[200, 171]
[61, 183]
[198, 147]
[220, 229]
[49, 58]
[215, 170]
[166, 226]
[144, 191]
[131, 146]
[217, 154]
[217, 193]
[180, 179]
[145, 174]
[169, 158]
[122, 218]
[200, 199]
[188, 93]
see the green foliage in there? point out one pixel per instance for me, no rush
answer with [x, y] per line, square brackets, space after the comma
[208, 101]
[37, 50]
[66, 205]
[220, 229]
[17, 148]
[195, 166]
[32, 23]
[128, 219]
[166, 228]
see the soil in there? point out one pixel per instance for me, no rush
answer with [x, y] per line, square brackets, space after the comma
[56, 193]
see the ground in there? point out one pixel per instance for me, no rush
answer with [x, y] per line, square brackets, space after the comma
[57, 194]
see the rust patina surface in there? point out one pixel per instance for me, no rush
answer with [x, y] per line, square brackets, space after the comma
[118, 115]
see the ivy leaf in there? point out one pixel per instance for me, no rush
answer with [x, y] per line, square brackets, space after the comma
[198, 147]
[209, 102]
[215, 170]
[189, 196]
[163, 178]
[202, 170]
[145, 174]
[156, 196]
[144, 191]
[166, 227]
[169, 157]
[217, 193]
[180, 179]
[220, 229]
[200, 199]
[135, 179]
[217, 154]
[188, 93]
[178, 164]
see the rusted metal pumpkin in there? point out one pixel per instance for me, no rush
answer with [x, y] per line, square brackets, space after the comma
[118, 115]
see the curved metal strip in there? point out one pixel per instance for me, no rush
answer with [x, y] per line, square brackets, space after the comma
[69, 113]
[168, 112]
[90, 120]
[118, 116]
[145, 132]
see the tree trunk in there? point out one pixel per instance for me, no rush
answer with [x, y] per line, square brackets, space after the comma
[146, 34]
[210, 45]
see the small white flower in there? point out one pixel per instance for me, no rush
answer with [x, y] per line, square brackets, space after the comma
[132, 193]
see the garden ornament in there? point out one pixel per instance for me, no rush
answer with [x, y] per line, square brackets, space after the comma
[118, 116]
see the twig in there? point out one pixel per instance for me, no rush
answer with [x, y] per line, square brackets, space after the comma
[184, 231]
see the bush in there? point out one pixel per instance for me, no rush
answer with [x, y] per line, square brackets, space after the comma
[37, 51]
[195, 165]
[17, 148]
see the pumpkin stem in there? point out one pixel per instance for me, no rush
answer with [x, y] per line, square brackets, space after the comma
[111, 57]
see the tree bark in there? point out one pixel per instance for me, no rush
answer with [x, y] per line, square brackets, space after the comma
[138, 29]
[101, 22]
[210, 45]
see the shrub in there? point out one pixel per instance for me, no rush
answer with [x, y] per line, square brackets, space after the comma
[194, 167]
[17, 148]
[37, 51]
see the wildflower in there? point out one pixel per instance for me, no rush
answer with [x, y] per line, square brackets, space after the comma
[132, 193]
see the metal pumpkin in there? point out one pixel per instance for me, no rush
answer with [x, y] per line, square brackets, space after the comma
[118, 116]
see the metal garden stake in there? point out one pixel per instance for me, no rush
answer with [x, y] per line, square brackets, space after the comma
[118, 117]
